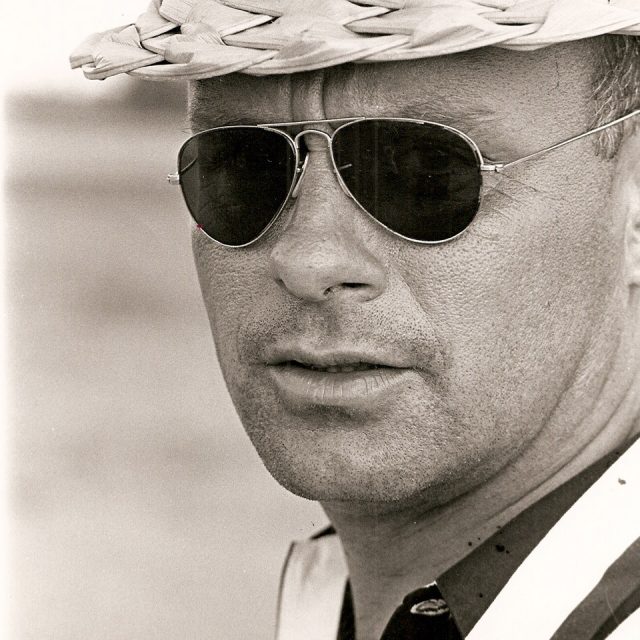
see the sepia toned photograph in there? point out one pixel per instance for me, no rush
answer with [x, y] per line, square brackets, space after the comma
[323, 320]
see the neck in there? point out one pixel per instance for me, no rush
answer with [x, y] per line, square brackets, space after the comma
[391, 551]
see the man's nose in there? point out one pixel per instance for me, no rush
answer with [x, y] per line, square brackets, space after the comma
[321, 252]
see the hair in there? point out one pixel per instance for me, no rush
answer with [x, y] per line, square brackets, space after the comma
[616, 89]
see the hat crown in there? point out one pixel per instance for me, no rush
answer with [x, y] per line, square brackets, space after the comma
[196, 39]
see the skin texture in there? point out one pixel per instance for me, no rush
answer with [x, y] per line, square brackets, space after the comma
[522, 332]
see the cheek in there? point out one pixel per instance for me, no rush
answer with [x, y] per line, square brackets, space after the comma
[230, 280]
[522, 298]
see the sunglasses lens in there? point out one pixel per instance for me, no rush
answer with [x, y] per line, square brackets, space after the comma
[235, 181]
[420, 180]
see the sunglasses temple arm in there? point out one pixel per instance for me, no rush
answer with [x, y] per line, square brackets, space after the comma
[504, 165]
[174, 178]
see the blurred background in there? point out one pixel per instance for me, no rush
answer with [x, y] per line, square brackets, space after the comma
[137, 506]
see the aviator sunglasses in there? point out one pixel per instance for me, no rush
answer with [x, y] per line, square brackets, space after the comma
[420, 180]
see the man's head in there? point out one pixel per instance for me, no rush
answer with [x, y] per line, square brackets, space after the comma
[369, 368]
[504, 343]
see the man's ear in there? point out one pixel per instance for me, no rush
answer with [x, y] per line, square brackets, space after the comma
[628, 178]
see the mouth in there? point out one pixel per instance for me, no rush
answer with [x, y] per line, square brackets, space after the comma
[348, 367]
[336, 379]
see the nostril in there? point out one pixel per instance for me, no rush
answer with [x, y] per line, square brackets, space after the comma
[344, 285]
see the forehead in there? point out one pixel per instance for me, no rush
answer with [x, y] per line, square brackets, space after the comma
[551, 86]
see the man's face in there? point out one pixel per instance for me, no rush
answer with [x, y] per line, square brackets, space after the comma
[487, 347]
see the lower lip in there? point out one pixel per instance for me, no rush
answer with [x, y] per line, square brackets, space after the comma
[351, 389]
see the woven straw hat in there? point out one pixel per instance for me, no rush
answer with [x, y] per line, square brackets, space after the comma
[195, 39]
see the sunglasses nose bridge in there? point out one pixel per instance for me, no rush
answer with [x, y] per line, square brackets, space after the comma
[317, 132]
[329, 139]
[302, 168]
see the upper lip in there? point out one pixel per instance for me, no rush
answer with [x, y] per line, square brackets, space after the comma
[334, 357]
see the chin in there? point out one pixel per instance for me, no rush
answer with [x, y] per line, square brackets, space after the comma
[386, 465]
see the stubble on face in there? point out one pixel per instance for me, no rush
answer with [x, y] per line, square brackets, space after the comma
[500, 326]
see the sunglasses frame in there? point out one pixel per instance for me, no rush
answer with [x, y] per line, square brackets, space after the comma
[301, 163]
